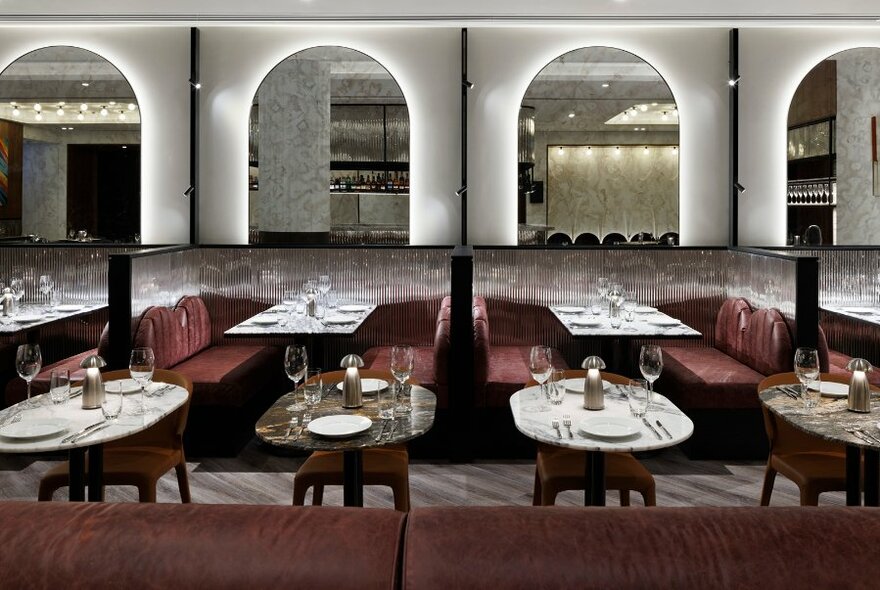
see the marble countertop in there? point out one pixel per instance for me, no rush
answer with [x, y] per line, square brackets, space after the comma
[11, 325]
[643, 325]
[828, 420]
[537, 425]
[286, 322]
[77, 418]
[863, 313]
[272, 426]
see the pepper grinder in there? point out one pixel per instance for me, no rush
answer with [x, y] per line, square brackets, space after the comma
[594, 395]
[859, 399]
[352, 396]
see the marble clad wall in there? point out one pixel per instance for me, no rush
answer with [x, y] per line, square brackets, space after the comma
[604, 190]
[44, 190]
[294, 148]
[858, 99]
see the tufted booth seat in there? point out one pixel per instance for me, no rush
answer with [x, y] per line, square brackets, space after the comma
[232, 385]
[716, 385]
[136, 546]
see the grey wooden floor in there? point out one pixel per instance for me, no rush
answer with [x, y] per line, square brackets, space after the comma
[257, 477]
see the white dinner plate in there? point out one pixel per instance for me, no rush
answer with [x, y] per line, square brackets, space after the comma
[585, 323]
[69, 307]
[368, 386]
[860, 310]
[37, 428]
[570, 309]
[339, 426]
[353, 308]
[339, 320]
[832, 389]
[610, 426]
[27, 319]
[576, 385]
[645, 309]
[265, 321]
[128, 386]
[664, 322]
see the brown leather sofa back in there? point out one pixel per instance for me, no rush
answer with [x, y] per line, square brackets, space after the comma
[768, 343]
[175, 334]
[730, 326]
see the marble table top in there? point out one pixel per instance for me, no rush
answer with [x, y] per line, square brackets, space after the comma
[828, 420]
[43, 317]
[157, 407]
[536, 425]
[643, 325]
[272, 426]
[289, 323]
[863, 313]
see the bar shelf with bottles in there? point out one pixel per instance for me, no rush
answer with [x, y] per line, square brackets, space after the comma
[373, 182]
[812, 191]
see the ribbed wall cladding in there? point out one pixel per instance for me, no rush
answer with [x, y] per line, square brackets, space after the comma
[163, 279]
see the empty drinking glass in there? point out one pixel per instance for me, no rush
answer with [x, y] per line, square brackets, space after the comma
[596, 304]
[111, 407]
[651, 365]
[17, 287]
[812, 392]
[296, 363]
[141, 365]
[556, 386]
[637, 397]
[312, 392]
[59, 386]
[629, 308]
[47, 285]
[806, 365]
[28, 362]
[332, 299]
[324, 284]
[402, 367]
[387, 400]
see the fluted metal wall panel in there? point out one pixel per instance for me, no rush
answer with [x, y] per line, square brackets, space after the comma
[80, 273]
[238, 282]
[765, 281]
[162, 279]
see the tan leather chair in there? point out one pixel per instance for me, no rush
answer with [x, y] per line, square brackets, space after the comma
[140, 459]
[558, 470]
[815, 465]
[387, 466]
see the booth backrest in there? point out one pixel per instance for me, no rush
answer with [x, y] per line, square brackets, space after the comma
[175, 334]
[198, 323]
[768, 343]
[482, 341]
[442, 344]
[730, 326]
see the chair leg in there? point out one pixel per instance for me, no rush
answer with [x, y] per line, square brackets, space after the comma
[624, 497]
[147, 492]
[767, 489]
[548, 495]
[809, 497]
[183, 481]
[650, 496]
[318, 495]
[45, 492]
[536, 495]
[299, 492]
[401, 496]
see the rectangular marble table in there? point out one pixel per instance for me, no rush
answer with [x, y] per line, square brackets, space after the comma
[280, 321]
[38, 317]
[868, 314]
[655, 324]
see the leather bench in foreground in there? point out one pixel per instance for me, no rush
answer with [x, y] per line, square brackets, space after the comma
[133, 546]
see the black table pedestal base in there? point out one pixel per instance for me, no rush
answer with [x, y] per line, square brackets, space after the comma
[77, 474]
[353, 478]
[594, 489]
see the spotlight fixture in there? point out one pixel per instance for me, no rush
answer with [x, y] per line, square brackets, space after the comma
[80, 117]
[132, 106]
[189, 191]
[461, 191]
[196, 85]
[15, 112]
[83, 107]
[571, 115]
[38, 107]
[85, 84]
[104, 111]
[605, 85]
[467, 84]
[739, 188]
[733, 81]
[60, 112]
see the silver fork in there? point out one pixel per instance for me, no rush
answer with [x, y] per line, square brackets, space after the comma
[555, 424]
[858, 432]
[566, 421]
[293, 422]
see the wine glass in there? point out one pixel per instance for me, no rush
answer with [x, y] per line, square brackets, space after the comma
[28, 362]
[296, 364]
[402, 368]
[651, 365]
[324, 284]
[46, 287]
[312, 392]
[540, 366]
[602, 287]
[17, 288]
[806, 365]
[141, 365]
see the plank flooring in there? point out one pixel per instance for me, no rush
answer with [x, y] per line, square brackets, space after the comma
[258, 477]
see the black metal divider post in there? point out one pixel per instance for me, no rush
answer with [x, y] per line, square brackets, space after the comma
[461, 354]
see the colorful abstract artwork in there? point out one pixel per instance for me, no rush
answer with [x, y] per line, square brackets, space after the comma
[4, 171]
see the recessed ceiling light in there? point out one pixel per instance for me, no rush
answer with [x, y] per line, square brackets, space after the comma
[653, 104]
[625, 117]
[635, 128]
[83, 107]
[39, 117]
[132, 106]
[646, 150]
[80, 117]
[643, 108]
[605, 85]
[664, 117]
[674, 149]
[121, 116]
[112, 102]
[85, 84]
[571, 115]
[104, 111]
[60, 112]
[589, 151]
[13, 103]
[16, 112]
[38, 107]
[125, 147]
[560, 150]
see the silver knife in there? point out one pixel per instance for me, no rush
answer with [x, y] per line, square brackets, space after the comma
[391, 432]
[91, 432]
[381, 430]
[654, 430]
[664, 428]
[70, 437]
[76, 393]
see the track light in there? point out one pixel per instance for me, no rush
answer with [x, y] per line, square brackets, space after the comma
[467, 84]
[189, 191]
[739, 188]
[461, 191]
[733, 82]
[196, 85]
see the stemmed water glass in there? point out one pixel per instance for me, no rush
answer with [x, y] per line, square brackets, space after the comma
[17, 288]
[402, 368]
[540, 366]
[324, 284]
[141, 365]
[602, 288]
[28, 362]
[651, 365]
[296, 364]
[806, 366]
[312, 392]
[47, 285]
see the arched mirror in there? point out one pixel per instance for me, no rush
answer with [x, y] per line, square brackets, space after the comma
[598, 152]
[70, 165]
[329, 152]
[833, 178]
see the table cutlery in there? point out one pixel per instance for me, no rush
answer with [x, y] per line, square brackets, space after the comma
[91, 432]
[869, 435]
[858, 432]
[555, 424]
[566, 421]
[293, 422]
[664, 428]
[75, 392]
[299, 431]
[651, 427]
[381, 430]
[71, 437]
[390, 434]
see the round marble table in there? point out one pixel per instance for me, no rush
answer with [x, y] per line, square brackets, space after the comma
[829, 421]
[171, 398]
[537, 426]
[272, 428]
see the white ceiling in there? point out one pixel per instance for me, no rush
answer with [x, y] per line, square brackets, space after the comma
[452, 10]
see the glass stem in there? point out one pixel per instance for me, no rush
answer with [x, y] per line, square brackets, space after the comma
[28, 404]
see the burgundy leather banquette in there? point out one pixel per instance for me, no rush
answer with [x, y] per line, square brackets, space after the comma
[134, 546]
[232, 384]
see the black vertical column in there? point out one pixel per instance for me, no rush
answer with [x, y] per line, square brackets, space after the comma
[807, 302]
[194, 136]
[733, 130]
[465, 86]
[461, 353]
[119, 315]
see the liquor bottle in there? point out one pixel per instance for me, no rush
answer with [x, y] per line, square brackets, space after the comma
[388, 184]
